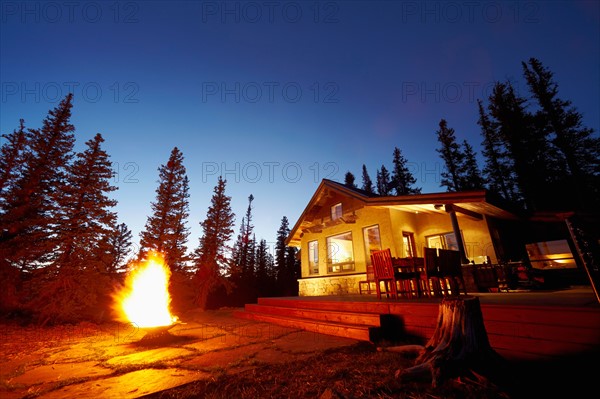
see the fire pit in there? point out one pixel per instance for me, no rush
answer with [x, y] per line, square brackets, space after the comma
[144, 300]
[158, 335]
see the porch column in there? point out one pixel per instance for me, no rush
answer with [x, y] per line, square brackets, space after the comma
[456, 230]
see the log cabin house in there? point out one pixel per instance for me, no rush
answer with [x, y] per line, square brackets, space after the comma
[341, 226]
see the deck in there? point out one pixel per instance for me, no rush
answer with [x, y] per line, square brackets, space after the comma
[520, 325]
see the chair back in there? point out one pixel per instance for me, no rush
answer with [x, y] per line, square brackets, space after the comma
[450, 265]
[431, 263]
[382, 264]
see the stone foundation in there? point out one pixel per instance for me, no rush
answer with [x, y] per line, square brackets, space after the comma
[334, 285]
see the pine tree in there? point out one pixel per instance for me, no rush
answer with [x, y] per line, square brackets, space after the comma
[29, 206]
[118, 249]
[166, 229]
[498, 170]
[242, 269]
[383, 181]
[210, 258]
[579, 150]
[471, 176]
[452, 156]
[285, 261]
[367, 183]
[402, 179]
[85, 222]
[532, 157]
[265, 280]
[12, 156]
[349, 180]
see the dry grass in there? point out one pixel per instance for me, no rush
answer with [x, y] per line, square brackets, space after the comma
[358, 371]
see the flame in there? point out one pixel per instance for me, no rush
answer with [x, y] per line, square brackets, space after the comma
[145, 299]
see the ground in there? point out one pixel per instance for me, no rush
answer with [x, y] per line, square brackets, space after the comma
[213, 355]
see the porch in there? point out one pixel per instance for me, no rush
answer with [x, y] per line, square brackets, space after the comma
[532, 325]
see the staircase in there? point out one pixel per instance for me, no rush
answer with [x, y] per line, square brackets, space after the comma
[366, 322]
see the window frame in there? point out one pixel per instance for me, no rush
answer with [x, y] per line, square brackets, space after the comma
[410, 236]
[340, 267]
[367, 247]
[334, 213]
[313, 267]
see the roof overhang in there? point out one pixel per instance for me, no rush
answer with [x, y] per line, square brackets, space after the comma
[474, 204]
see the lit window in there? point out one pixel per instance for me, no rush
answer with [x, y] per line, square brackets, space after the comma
[313, 257]
[340, 253]
[408, 244]
[443, 241]
[336, 211]
[372, 241]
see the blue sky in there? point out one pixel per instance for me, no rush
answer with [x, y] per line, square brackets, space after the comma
[276, 96]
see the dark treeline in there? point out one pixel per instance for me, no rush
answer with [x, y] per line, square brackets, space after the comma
[537, 153]
[63, 254]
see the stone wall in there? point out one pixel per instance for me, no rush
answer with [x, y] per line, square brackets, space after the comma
[338, 285]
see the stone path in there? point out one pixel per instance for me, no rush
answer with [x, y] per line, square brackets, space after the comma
[114, 362]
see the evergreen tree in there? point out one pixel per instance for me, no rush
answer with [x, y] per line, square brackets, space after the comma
[85, 221]
[452, 156]
[383, 181]
[119, 248]
[12, 156]
[532, 157]
[471, 177]
[29, 205]
[402, 179]
[349, 180]
[166, 229]
[242, 260]
[210, 258]
[265, 277]
[498, 170]
[367, 183]
[579, 150]
[285, 261]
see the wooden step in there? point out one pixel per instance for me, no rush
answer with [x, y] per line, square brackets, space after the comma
[354, 331]
[355, 318]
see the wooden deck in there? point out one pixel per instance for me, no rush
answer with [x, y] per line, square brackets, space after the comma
[520, 325]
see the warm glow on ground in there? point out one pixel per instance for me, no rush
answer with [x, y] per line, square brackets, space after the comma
[145, 299]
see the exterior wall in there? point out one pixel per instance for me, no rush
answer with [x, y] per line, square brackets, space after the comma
[391, 224]
[331, 285]
[365, 217]
[476, 235]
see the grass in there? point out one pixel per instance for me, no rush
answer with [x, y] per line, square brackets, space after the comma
[358, 371]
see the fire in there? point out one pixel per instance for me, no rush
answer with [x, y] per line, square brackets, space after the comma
[145, 299]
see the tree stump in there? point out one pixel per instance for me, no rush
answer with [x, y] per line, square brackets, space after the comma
[459, 346]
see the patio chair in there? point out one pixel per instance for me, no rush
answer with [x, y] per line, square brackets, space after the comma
[370, 279]
[430, 275]
[385, 272]
[451, 271]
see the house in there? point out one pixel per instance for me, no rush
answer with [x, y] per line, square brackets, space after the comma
[341, 226]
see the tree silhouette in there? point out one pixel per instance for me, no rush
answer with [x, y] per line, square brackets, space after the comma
[210, 258]
[471, 179]
[165, 230]
[383, 181]
[367, 183]
[349, 180]
[452, 156]
[402, 179]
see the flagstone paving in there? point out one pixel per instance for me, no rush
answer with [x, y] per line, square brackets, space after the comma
[114, 361]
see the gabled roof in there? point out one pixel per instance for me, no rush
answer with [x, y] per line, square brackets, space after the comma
[473, 203]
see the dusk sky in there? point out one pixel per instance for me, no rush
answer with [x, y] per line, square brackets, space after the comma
[276, 96]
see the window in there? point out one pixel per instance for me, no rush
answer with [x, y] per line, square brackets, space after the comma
[444, 241]
[409, 249]
[313, 257]
[340, 253]
[336, 211]
[372, 241]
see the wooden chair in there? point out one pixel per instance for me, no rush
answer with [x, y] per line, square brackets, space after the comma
[385, 272]
[451, 271]
[370, 279]
[430, 276]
